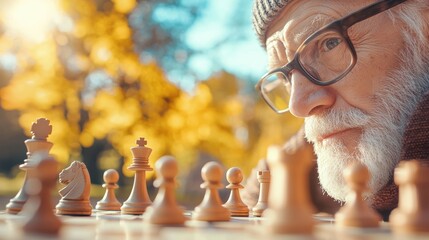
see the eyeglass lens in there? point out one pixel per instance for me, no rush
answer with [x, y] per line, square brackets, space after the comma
[324, 58]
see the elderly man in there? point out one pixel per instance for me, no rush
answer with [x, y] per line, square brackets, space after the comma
[357, 72]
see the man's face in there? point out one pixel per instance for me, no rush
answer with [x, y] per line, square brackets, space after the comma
[357, 118]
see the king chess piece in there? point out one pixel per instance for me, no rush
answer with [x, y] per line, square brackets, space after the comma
[75, 196]
[38, 143]
[138, 200]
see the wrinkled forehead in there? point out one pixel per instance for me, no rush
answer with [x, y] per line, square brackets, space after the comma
[298, 22]
[303, 17]
[291, 32]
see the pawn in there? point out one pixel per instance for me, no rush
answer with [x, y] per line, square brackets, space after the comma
[356, 212]
[234, 203]
[42, 180]
[164, 209]
[412, 214]
[109, 201]
[211, 209]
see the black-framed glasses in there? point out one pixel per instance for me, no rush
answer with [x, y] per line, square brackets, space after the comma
[324, 58]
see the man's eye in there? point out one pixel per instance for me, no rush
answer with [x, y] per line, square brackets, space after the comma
[330, 44]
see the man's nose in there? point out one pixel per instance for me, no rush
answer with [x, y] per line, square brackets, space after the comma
[307, 98]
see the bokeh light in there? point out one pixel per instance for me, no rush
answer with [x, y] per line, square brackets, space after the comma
[32, 20]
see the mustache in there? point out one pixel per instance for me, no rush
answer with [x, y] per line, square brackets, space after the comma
[334, 120]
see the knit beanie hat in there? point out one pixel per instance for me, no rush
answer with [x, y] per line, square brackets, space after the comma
[264, 12]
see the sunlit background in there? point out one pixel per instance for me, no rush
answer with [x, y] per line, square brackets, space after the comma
[105, 72]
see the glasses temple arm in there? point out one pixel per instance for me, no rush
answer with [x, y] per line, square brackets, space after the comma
[369, 11]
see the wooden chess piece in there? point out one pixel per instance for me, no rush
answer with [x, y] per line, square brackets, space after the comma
[264, 178]
[75, 195]
[211, 209]
[139, 199]
[165, 210]
[412, 213]
[289, 207]
[38, 143]
[234, 203]
[109, 202]
[356, 212]
[41, 181]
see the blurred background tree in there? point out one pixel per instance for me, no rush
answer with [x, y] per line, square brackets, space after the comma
[106, 72]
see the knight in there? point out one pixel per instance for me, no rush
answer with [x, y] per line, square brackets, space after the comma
[75, 195]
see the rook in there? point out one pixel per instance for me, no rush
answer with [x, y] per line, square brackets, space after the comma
[289, 207]
[264, 187]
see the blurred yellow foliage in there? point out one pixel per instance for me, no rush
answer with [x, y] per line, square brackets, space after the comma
[132, 100]
[124, 6]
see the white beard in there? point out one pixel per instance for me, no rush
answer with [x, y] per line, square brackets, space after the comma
[378, 149]
[382, 130]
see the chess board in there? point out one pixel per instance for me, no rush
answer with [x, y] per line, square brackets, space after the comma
[113, 225]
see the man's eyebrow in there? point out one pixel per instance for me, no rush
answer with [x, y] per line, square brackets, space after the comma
[318, 22]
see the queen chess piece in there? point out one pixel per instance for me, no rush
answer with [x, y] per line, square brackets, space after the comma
[138, 200]
[38, 143]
